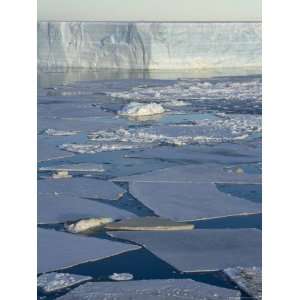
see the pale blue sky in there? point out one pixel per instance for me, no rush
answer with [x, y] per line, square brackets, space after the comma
[150, 10]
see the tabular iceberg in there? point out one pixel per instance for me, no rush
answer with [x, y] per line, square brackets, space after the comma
[128, 45]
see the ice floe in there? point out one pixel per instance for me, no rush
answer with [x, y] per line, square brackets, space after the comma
[54, 208]
[121, 276]
[81, 187]
[61, 174]
[196, 173]
[181, 289]
[87, 224]
[135, 109]
[184, 201]
[53, 132]
[46, 151]
[201, 249]
[79, 167]
[248, 279]
[59, 250]
[53, 282]
[148, 223]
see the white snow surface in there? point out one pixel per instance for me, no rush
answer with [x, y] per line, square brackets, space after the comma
[128, 45]
[53, 282]
[87, 224]
[58, 250]
[168, 289]
[200, 249]
[135, 109]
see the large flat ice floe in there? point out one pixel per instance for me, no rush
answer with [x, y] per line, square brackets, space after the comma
[59, 250]
[196, 173]
[181, 289]
[62, 208]
[135, 109]
[81, 187]
[183, 201]
[53, 282]
[201, 249]
[140, 45]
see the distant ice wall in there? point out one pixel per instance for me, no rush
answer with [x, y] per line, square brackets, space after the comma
[97, 45]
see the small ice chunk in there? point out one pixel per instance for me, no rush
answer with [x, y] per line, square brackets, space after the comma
[248, 279]
[140, 109]
[177, 103]
[121, 276]
[61, 174]
[149, 223]
[53, 282]
[54, 132]
[87, 224]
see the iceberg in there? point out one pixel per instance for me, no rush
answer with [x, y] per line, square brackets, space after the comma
[146, 45]
[135, 109]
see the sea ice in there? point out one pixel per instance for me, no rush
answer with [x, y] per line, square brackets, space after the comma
[46, 151]
[59, 250]
[248, 279]
[135, 109]
[53, 282]
[121, 276]
[148, 223]
[87, 224]
[62, 208]
[196, 173]
[169, 289]
[79, 167]
[81, 187]
[201, 249]
[182, 201]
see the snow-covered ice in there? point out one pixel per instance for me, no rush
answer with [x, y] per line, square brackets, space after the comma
[60, 132]
[81, 187]
[201, 249]
[248, 279]
[59, 250]
[87, 224]
[54, 208]
[182, 201]
[135, 109]
[169, 289]
[53, 282]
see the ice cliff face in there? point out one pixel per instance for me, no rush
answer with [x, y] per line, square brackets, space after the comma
[97, 45]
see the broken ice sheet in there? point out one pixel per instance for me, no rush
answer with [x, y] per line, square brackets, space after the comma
[59, 250]
[196, 173]
[190, 201]
[248, 279]
[45, 152]
[201, 249]
[52, 282]
[62, 208]
[81, 187]
[181, 289]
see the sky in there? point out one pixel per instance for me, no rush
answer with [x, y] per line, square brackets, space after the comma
[149, 10]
